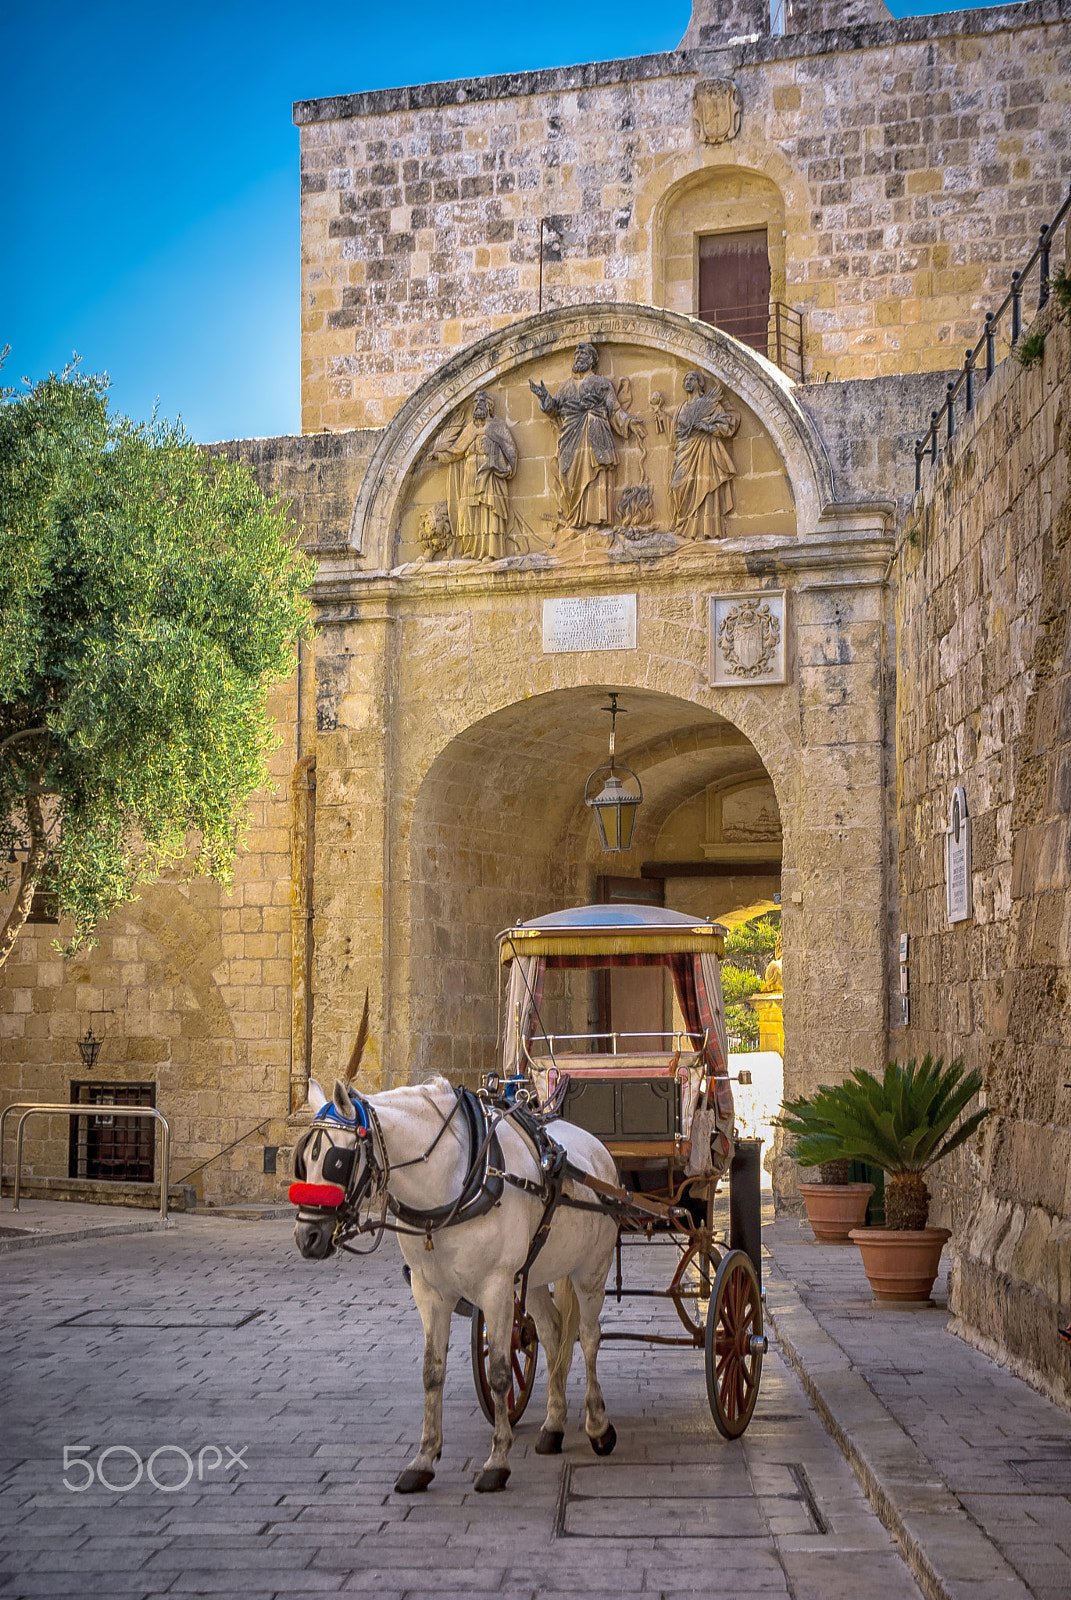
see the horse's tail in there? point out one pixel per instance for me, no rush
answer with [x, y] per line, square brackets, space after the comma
[568, 1308]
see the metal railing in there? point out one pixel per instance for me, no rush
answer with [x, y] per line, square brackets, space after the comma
[679, 1040]
[30, 1109]
[944, 419]
[774, 330]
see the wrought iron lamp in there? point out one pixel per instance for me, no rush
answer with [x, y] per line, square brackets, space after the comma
[89, 1048]
[615, 805]
[89, 1045]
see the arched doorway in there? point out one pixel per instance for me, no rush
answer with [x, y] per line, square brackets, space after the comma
[500, 833]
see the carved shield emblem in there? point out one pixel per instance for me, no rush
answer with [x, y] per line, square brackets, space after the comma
[716, 110]
[748, 641]
[749, 636]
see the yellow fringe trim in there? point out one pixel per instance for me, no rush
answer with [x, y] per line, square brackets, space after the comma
[537, 942]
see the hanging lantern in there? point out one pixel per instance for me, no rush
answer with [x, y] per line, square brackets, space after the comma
[89, 1048]
[616, 803]
[89, 1045]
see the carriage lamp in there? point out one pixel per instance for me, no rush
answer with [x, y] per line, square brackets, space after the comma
[616, 804]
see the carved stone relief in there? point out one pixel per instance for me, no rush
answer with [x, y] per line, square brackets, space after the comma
[743, 820]
[589, 411]
[582, 465]
[747, 638]
[701, 484]
[716, 110]
[483, 457]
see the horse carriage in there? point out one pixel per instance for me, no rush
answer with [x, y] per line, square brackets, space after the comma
[588, 1142]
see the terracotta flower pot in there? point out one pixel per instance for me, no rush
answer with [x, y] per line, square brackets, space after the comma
[901, 1264]
[834, 1209]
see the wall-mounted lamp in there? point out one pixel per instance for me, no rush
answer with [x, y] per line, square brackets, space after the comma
[89, 1045]
[615, 805]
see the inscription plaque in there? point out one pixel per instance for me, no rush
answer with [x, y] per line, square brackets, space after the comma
[589, 622]
[958, 860]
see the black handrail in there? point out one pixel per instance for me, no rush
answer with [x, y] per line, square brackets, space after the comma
[1013, 300]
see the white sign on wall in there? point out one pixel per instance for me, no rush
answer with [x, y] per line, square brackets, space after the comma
[589, 622]
[958, 860]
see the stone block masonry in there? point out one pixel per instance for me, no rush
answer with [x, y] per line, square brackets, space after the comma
[984, 701]
[901, 168]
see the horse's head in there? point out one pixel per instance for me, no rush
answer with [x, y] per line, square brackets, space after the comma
[333, 1169]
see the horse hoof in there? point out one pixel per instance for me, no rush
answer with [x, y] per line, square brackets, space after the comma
[606, 1441]
[413, 1480]
[492, 1479]
[549, 1443]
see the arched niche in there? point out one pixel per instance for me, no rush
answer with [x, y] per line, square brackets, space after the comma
[712, 200]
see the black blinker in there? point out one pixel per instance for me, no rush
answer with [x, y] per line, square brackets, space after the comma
[337, 1166]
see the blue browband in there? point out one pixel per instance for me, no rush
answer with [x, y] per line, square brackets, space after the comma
[331, 1113]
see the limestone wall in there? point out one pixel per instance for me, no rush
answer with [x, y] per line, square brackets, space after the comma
[196, 983]
[984, 701]
[909, 162]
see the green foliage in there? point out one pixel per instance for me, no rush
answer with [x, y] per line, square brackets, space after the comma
[149, 597]
[752, 945]
[1030, 351]
[749, 949]
[737, 984]
[1060, 285]
[900, 1122]
[742, 1023]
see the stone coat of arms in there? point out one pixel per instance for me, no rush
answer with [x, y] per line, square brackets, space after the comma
[749, 636]
[716, 110]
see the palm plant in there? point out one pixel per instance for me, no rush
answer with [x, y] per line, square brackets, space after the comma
[901, 1122]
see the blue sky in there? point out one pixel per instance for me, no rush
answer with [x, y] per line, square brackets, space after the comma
[149, 189]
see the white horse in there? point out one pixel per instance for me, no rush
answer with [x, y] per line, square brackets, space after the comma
[478, 1259]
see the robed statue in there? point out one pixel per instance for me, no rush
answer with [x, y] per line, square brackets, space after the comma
[589, 413]
[483, 458]
[701, 485]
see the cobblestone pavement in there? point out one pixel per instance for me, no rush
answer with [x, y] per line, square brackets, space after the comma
[992, 1456]
[216, 1337]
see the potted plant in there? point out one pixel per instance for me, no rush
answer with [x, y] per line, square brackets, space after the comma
[835, 1205]
[904, 1123]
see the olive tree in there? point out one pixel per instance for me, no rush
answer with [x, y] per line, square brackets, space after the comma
[150, 595]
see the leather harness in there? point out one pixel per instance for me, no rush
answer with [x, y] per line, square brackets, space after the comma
[484, 1180]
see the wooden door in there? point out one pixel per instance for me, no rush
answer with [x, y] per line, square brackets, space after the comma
[734, 285]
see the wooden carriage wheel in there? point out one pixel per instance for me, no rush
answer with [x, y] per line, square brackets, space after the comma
[523, 1355]
[691, 1287]
[735, 1344]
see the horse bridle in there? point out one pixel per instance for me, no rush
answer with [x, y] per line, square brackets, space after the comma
[359, 1180]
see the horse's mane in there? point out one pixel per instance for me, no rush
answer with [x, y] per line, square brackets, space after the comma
[432, 1087]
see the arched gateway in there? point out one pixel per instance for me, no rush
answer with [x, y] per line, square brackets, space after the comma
[605, 498]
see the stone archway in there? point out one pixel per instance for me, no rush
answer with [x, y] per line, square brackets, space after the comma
[499, 832]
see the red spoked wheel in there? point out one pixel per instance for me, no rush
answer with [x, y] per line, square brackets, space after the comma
[691, 1285]
[735, 1344]
[523, 1355]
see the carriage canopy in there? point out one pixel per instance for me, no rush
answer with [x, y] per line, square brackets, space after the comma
[622, 936]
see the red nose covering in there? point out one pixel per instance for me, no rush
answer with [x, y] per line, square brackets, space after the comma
[316, 1194]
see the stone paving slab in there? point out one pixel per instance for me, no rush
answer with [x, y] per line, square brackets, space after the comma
[323, 1391]
[942, 1437]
